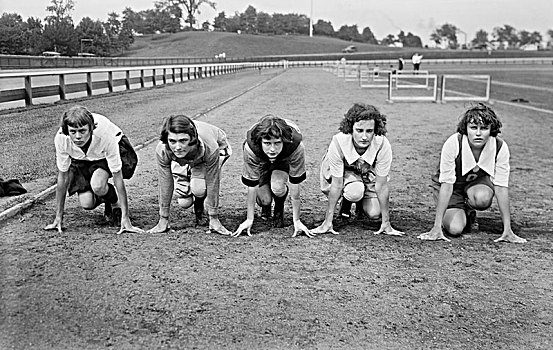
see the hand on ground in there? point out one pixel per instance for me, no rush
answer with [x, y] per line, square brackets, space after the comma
[216, 226]
[509, 236]
[160, 228]
[246, 225]
[56, 225]
[433, 235]
[325, 228]
[389, 230]
[299, 227]
[126, 226]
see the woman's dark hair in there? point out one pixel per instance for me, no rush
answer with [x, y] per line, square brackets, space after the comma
[179, 124]
[361, 111]
[271, 127]
[76, 117]
[480, 114]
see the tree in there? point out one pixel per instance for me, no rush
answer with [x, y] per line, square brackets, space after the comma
[480, 39]
[368, 36]
[96, 40]
[323, 28]
[446, 33]
[264, 23]
[248, 20]
[550, 41]
[59, 32]
[34, 42]
[390, 39]
[191, 8]
[529, 38]
[12, 36]
[350, 33]
[133, 20]
[220, 22]
[411, 40]
[507, 34]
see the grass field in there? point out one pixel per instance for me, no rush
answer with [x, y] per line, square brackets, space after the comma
[209, 44]
[91, 289]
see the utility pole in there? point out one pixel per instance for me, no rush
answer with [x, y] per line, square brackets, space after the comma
[311, 21]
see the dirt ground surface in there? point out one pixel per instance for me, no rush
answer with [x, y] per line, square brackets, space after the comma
[90, 288]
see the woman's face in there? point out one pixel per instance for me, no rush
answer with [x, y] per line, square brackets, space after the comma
[363, 133]
[478, 134]
[272, 147]
[179, 144]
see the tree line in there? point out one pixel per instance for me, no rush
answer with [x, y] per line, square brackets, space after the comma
[59, 33]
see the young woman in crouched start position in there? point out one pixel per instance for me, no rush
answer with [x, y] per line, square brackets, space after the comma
[192, 152]
[474, 167]
[90, 149]
[355, 169]
[273, 156]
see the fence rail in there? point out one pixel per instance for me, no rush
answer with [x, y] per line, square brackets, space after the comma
[30, 85]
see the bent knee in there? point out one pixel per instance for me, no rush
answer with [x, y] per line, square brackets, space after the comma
[185, 202]
[198, 187]
[354, 191]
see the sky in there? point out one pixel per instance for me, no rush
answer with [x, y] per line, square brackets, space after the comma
[383, 17]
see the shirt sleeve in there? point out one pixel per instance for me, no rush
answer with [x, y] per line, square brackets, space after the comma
[251, 168]
[502, 167]
[450, 151]
[297, 165]
[222, 141]
[113, 156]
[63, 160]
[165, 180]
[384, 159]
[335, 160]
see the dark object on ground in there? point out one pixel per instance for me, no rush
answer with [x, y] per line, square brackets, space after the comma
[520, 100]
[11, 188]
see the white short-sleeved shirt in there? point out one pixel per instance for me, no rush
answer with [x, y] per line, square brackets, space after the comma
[104, 145]
[341, 153]
[496, 166]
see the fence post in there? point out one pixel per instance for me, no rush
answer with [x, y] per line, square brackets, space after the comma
[110, 81]
[62, 86]
[142, 78]
[127, 79]
[154, 77]
[164, 76]
[89, 84]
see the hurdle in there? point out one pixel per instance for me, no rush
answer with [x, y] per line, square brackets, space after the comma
[351, 73]
[421, 74]
[432, 85]
[373, 78]
[461, 96]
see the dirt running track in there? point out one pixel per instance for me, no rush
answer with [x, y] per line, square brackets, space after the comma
[92, 289]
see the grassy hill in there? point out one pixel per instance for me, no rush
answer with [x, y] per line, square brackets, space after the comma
[208, 44]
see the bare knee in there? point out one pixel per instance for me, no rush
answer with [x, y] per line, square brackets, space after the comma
[354, 191]
[185, 202]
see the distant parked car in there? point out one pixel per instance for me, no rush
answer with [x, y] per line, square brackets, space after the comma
[350, 49]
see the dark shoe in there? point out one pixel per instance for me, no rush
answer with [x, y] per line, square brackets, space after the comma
[116, 217]
[344, 215]
[278, 219]
[201, 220]
[472, 225]
[108, 212]
[266, 212]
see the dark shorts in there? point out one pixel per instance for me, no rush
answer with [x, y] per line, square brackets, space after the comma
[459, 195]
[80, 171]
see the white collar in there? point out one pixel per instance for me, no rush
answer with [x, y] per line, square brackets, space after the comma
[487, 157]
[345, 141]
